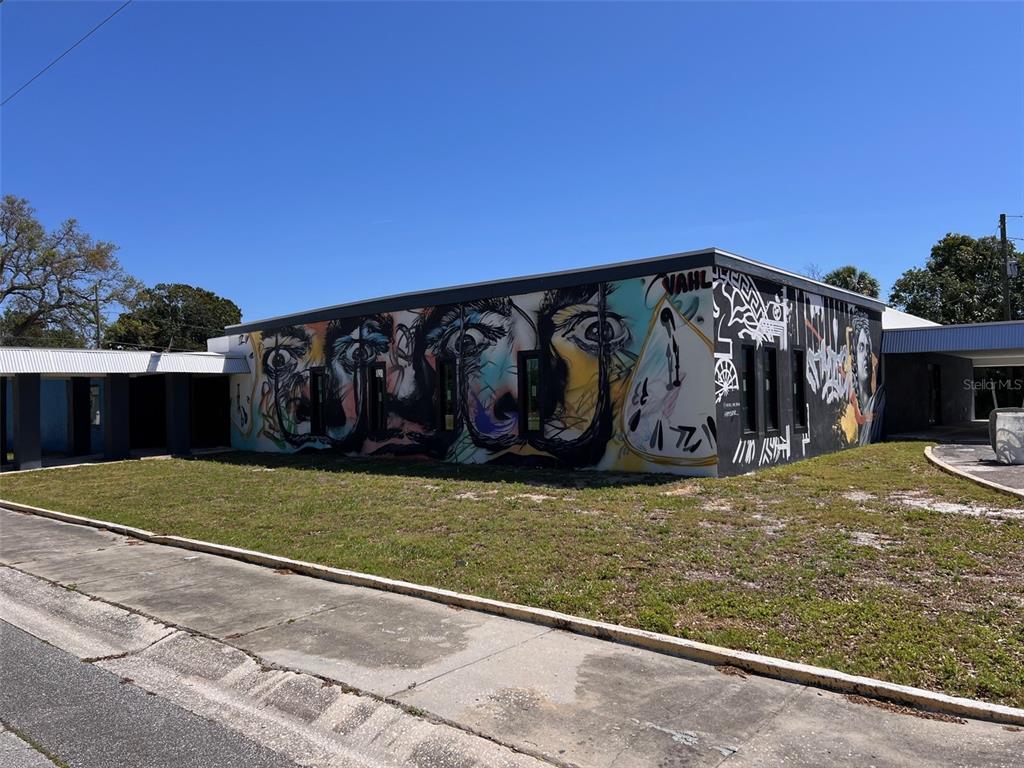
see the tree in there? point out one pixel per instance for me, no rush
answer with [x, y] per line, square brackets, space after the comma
[173, 316]
[55, 287]
[853, 279]
[962, 282]
[813, 271]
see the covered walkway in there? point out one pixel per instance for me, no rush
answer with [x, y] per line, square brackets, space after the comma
[58, 405]
[942, 381]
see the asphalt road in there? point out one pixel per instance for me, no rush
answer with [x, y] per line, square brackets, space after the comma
[89, 718]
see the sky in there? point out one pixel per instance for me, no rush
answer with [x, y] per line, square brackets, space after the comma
[294, 155]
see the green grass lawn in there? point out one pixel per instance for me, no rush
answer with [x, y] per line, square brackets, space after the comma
[839, 561]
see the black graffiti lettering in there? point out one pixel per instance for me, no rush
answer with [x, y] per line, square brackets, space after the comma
[684, 282]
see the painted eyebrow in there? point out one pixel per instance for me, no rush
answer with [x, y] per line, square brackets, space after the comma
[292, 332]
[501, 305]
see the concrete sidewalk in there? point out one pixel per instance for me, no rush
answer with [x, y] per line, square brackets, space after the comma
[559, 697]
[980, 461]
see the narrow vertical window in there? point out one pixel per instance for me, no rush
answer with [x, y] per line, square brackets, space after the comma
[799, 389]
[748, 392]
[529, 392]
[446, 394]
[95, 405]
[317, 393]
[770, 369]
[376, 393]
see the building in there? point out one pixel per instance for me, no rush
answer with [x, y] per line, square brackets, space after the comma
[110, 404]
[701, 363]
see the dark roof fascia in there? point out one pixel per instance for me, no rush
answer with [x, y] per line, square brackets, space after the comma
[517, 286]
[777, 275]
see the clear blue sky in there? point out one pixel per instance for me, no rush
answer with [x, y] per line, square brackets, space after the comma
[292, 155]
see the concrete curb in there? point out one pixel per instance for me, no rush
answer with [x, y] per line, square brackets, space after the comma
[950, 469]
[766, 666]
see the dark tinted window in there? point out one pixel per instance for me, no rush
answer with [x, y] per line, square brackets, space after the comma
[377, 388]
[529, 391]
[317, 393]
[748, 395]
[446, 394]
[770, 370]
[799, 389]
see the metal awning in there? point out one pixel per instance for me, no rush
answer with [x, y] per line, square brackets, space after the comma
[985, 343]
[100, 362]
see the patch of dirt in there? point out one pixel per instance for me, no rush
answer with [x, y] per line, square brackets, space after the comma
[536, 497]
[717, 506]
[858, 496]
[770, 526]
[917, 500]
[684, 490]
[866, 539]
[899, 709]
[474, 495]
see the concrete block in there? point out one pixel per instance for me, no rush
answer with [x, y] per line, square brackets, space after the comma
[1006, 434]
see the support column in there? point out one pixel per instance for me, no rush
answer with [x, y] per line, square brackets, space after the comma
[179, 417]
[3, 420]
[116, 438]
[27, 447]
[79, 416]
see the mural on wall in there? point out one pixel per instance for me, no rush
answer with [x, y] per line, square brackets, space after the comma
[626, 371]
[843, 399]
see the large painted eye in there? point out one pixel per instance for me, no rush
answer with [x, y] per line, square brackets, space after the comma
[282, 359]
[470, 341]
[586, 330]
[351, 352]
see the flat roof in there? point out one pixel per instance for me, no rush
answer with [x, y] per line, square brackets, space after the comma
[551, 280]
[100, 362]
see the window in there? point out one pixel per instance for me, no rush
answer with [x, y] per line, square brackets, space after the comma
[529, 392]
[317, 395]
[799, 360]
[376, 391]
[770, 371]
[748, 394]
[446, 395]
[95, 405]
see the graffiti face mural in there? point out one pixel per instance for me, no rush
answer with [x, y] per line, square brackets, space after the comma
[285, 356]
[639, 374]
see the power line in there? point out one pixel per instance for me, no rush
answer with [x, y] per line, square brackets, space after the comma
[80, 40]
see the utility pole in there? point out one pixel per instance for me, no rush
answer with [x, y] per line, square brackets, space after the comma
[1006, 264]
[96, 315]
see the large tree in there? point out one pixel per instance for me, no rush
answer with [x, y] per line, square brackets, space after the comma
[173, 316]
[56, 287]
[962, 282]
[853, 279]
